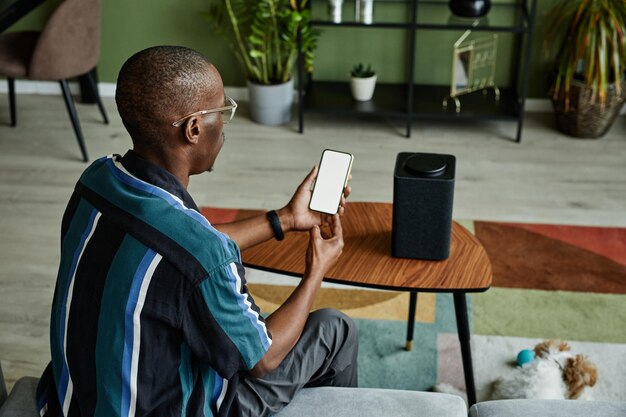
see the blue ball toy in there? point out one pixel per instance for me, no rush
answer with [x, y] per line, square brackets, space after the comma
[525, 356]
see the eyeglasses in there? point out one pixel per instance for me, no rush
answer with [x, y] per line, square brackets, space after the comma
[228, 112]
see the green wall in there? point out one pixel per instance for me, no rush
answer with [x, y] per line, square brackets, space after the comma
[131, 25]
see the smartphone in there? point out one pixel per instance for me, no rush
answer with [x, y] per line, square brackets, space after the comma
[332, 178]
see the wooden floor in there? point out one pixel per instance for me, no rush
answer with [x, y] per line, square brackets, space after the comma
[548, 178]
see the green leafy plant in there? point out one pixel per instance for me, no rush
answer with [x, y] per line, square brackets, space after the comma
[263, 34]
[361, 71]
[591, 39]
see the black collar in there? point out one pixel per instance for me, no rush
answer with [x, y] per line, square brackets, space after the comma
[155, 175]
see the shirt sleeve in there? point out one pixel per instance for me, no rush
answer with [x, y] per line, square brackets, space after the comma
[223, 325]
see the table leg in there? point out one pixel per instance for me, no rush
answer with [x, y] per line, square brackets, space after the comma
[462, 324]
[411, 321]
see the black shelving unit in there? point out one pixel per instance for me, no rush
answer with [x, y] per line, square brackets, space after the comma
[410, 101]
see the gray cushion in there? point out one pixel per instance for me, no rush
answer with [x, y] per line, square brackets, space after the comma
[3, 388]
[552, 408]
[366, 402]
[21, 401]
[325, 401]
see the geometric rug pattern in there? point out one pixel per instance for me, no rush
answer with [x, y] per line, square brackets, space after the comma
[550, 281]
[360, 303]
[551, 257]
[556, 281]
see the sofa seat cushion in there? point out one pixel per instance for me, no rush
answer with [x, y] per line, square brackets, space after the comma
[323, 401]
[21, 401]
[552, 408]
[369, 402]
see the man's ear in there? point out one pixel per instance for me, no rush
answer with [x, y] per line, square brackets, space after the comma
[192, 129]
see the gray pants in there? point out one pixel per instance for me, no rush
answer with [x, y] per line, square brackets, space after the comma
[325, 355]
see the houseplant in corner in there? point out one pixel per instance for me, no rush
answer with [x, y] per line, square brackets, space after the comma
[362, 82]
[589, 87]
[263, 34]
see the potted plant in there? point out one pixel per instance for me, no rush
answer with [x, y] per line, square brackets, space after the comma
[363, 82]
[589, 88]
[263, 34]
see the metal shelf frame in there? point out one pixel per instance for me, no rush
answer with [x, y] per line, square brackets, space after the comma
[334, 97]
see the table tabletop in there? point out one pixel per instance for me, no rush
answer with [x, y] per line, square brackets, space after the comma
[367, 261]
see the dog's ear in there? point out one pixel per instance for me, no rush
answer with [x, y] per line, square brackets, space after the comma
[578, 374]
[563, 346]
[543, 348]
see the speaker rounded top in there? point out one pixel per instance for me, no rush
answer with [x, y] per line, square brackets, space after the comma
[425, 165]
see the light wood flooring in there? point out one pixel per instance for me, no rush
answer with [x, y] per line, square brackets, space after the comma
[548, 178]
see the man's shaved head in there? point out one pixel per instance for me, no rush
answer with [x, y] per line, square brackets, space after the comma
[160, 85]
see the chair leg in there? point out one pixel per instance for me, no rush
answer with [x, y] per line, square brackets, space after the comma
[96, 92]
[12, 101]
[71, 109]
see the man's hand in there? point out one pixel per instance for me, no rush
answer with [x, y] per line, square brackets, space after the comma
[287, 322]
[323, 253]
[297, 213]
[294, 216]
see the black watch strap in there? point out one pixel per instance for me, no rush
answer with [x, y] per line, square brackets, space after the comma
[277, 228]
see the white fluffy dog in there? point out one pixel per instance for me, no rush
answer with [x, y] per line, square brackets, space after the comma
[555, 373]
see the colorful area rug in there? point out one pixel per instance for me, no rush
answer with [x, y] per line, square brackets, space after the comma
[550, 281]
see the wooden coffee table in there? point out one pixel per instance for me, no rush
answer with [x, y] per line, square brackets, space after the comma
[367, 262]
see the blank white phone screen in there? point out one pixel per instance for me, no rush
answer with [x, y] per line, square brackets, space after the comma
[331, 179]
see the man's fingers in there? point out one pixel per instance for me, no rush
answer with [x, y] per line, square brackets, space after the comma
[325, 219]
[310, 179]
[315, 232]
[342, 202]
[337, 228]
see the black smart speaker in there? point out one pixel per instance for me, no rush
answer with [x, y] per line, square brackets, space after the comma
[423, 191]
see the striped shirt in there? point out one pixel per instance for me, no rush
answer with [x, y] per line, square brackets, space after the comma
[151, 314]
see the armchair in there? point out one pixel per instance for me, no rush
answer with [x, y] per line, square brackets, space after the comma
[68, 46]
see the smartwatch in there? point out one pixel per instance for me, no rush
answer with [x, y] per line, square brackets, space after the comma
[277, 228]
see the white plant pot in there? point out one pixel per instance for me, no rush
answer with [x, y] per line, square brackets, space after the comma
[334, 10]
[364, 11]
[271, 104]
[363, 88]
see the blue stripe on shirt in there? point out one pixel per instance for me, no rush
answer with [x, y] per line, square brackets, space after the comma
[164, 195]
[236, 283]
[129, 328]
[152, 205]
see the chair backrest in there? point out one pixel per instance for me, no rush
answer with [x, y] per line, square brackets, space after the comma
[69, 44]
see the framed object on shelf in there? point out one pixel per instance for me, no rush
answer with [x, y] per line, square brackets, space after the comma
[473, 67]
